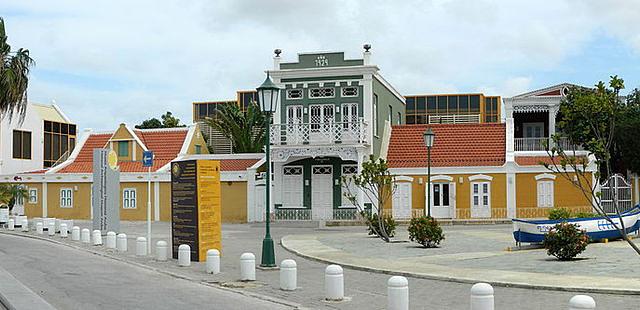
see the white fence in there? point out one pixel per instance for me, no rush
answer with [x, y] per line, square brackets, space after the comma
[319, 133]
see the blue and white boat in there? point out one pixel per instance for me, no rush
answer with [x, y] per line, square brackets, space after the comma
[596, 227]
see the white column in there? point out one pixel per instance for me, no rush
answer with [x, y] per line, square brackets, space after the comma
[251, 195]
[360, 193]
[276, 193]
[156, 201]
[510, 132]
[553, 111]
[511, 195]
[45, 195]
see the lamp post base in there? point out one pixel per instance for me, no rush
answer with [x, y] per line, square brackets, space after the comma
[268, 253]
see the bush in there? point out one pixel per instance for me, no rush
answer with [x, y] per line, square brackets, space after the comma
[565, 241]
[373, 225]
[559, 214]
[585, 214]
[425, 230]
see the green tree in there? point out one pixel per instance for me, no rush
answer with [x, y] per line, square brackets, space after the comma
[9, 193]
[627, 143]
[14, 77]
[168, 121]
[245, 129]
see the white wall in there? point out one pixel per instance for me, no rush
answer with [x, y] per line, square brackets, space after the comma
[33, 123]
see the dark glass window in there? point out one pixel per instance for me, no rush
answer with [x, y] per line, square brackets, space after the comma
[421, 119]
[47, 126]
[17, 144]
[431, 104]
[56, 127]
[47, 147]
[445, 194]
[72, 130]
[411, 119]
[453, 104]
[442, 104]
[202, 110]
[64, 144]
[463, 104]
[55, 147]
[21, 144]
[436, 193]
[474, 103]
[64, 128]
[411, 105]
[72, 144]
[421, 106]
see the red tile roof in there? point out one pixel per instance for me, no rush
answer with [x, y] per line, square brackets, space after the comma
[455, 145]
[236, 164]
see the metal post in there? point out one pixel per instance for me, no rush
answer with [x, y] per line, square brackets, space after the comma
[268, 254]
[149, 209]
[429, 181]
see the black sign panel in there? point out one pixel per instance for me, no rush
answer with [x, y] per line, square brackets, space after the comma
[184, 210]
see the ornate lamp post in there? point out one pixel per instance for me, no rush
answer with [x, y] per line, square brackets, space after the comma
[429, 137]
[268, 97]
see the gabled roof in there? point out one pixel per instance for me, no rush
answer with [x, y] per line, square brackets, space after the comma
[555, 90]
[455, 145]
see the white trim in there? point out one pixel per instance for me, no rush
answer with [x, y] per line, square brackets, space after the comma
[29, 189]
[64, 116]
[441, 177]
[389, 87]
[480, 177]
[539, 201]
[545, 176]
[187, 140]
[480, 183]
[402, 178]
[135, 137]
[65, 205]
[135, 198]
[156, 201]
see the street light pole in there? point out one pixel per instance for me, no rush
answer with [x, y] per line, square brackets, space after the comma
[429, 137]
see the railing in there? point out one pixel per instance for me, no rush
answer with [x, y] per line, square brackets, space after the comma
[454, 119]
[62, 158]
[542, 144]
[317, 214]
[319, 133]
[568, 146]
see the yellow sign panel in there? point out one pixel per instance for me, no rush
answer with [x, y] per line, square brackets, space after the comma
[113, 160]
[209, 207]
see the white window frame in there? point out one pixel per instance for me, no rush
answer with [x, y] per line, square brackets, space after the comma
[129, 202]
[480, 194]
[342, 90]
[34, 196]
[66, 198]
[320, 97]
[545, 193]
[375, 115]
[292, 98]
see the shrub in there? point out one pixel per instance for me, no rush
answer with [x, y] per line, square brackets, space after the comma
[584, 214]
[565, 241]
[373, 226]
[425, 230]
[559, 214]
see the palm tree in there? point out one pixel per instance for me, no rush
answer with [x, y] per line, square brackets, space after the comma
[14, 77]
[245, 129]
[9, 194]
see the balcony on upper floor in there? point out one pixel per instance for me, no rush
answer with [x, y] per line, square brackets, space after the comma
[325, 133]
[542, 144]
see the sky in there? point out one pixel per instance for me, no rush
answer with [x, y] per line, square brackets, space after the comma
[108, 62]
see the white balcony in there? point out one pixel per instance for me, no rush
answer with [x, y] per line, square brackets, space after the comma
[541, 144]
[319, 133]
[454, 119]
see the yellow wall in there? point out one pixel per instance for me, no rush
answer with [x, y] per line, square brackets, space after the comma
[33, 209]
[565, 195]
[123, 134]
[140, 212]
[198, 139]
[81, 201]
[165, 201]
[234, 202]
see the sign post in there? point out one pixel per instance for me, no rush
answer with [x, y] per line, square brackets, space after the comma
[147, 161]
[106, 190]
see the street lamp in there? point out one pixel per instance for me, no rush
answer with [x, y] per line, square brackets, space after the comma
[268, 97]
[429, 137]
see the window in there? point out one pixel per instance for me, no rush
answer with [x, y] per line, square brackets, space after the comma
[33, 195]
[440, 194]
[66, 198]
[123, 148]
[491, 109]
[323, 92]
[480, 194]
[431, 105]
[442, 104]
[390, 115]
[21, 144]
[399, 118]
[411, 105]
[545, 194]
[351, 91]
[474, 103]
[422, 106]
[375, 115]
[198, 149]
[59, 140]
[294, 94]
[349, 115]
[129, 198]
[321, 117]
[453, 104]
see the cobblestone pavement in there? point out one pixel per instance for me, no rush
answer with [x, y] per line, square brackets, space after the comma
[365, 290]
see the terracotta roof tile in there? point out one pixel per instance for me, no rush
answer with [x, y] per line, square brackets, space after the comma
[455, 145]
[236, 164]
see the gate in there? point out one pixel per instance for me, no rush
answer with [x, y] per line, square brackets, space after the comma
[616, 188]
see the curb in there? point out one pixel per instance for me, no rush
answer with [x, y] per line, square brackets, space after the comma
[462, 280]
[158, 270]
[16, 296]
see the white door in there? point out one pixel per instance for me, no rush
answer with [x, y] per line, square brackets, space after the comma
[442, 200]
[322, 192]
[350, 128]
[480, 199]
[401, 203]
[292, 187]
[533, 130]
[322, 117]
[295, 132]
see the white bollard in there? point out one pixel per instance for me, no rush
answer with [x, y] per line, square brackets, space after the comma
[111, 240]
[288, 275]
[39, 229]
[161, 251]
[25, 225]
[64, 232]
[141, 246]
[51, 229]
[334, 283]
[85, 235]
[247, 267]
[96, 237]
[75, 233]
[184, 255]
[121, 242]
[213, 261]
[582, 302]
[11, 225]
[481, 296]
[397, 293]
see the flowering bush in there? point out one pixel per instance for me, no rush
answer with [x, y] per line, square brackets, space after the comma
[565, 241]
[426, 231]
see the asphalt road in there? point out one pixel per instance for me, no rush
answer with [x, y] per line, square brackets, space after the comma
[73, 279]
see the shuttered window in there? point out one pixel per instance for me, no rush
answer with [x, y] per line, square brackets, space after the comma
[545, 194]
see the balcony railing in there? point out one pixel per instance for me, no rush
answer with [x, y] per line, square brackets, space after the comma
[542, 144]
[319, 133]
[454, 119]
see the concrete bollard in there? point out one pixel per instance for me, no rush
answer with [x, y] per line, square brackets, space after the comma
[161, 251]
[75, 233]
[51, 229]
[96, 237]
[141, 246]
[39, 229]
[213, 261]
[121, 242]
[481, 296]
[25, 225]
[582, 302]
[397, 293]
[85, 235]
[288, 275]
[334, 283]
[247, 267]
[184, 255]
[11, 225]
[111, 240]
[64, 232]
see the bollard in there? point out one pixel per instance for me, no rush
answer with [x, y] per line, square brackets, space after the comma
[288, 275]
[582, 302]
[111, 240]
[39, 230]
[11, 225]
[51, 228]
[161, 251]
[121, 243]
[96, 237]
[85, 235]
[75, 233]
[247, 267]
[184, 255]
[25, 225]
[64, 232]
[397, 293]
[213, 261]
[141, 246]
[481, 296]
[334, 283]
